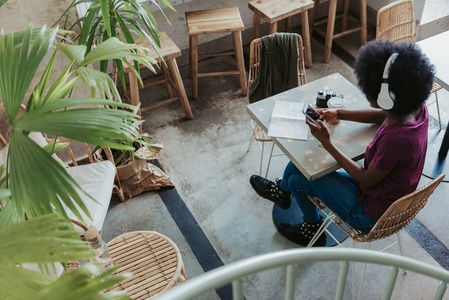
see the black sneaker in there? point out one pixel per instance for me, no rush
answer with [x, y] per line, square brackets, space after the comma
[270, 190]
[303, 233]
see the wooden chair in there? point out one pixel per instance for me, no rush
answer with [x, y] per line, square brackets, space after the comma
[395, 22]
[169, 52]
[210, 22]
[361, 24]
[254, 68]
[273, 11]
[396, 218]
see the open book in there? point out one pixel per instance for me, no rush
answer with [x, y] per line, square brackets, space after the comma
[288, 121]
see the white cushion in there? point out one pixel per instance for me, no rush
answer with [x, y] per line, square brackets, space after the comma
[97, 180]
[35, 267]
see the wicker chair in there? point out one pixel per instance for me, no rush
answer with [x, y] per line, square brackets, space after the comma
[395, 22]
[397, 216]
[254, 68]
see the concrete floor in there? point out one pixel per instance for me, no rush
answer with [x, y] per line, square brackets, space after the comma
[207, 159]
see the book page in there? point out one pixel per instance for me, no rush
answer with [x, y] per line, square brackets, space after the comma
[288, 121]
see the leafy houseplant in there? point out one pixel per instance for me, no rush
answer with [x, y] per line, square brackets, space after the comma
[34, 227]
[122, 19]
[128, 21]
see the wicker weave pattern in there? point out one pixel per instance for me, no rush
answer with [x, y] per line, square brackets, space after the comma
[397, 216]
[153, 259]
[395, 21]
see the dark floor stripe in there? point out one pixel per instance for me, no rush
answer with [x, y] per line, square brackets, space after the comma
[429, 242]
[194, 235]
[425, 238]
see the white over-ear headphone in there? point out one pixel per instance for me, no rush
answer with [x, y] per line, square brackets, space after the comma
[386, 98]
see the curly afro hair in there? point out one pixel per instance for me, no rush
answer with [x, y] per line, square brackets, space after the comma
[410, 76]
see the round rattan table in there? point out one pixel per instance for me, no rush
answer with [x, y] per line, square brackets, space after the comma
[153, 259]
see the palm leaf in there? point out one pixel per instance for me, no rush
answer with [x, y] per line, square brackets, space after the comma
[113, 48]
[38, 183]
[83, 285]
[98, 126]
[51, 238]
[18, 66]
[105, 14]
[73, 52]
[101, 82]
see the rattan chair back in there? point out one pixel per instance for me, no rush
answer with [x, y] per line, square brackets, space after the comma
[255, 59]
[395, 22]
[397, 216]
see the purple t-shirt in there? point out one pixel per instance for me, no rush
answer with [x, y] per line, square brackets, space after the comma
[401, 148]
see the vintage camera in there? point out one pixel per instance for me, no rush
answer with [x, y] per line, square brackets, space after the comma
[324, 96]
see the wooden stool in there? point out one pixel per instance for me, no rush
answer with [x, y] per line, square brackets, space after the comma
[169, 52]
[153, 259]
[215, 21]
[273, 11]
[332, 15]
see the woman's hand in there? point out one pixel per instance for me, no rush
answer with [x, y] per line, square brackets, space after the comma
[320, 132]
[330, 115]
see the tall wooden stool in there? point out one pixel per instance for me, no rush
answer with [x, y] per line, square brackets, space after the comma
[215, 21]
[153, 259]
[332, 15]
[274, 11]
[169, 52]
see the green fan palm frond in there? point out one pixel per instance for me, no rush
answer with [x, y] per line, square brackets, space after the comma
[49, 239]
[110, 49]
[18, 66]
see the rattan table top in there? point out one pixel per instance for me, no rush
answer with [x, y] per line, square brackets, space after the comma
[153, 259]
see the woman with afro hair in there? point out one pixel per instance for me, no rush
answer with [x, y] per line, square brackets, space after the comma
[396, 79]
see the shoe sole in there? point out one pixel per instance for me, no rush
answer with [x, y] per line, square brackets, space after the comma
[320, 242]
[255, 188]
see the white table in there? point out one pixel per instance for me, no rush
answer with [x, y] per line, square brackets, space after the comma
[309, 156]
[435, 48]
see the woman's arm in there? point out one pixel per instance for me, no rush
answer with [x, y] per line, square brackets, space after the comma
[366, 177]
[371, 115]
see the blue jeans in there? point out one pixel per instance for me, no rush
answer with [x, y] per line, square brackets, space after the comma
[337, 190]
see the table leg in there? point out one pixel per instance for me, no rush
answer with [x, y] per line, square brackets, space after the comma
[238, 48]
[330, 30]
[134, 90]
[444, 145]
[273, 27]
[288, 24]
[194, 62]
[313, 15]
[180, 86]
[306, 38]
[344, 24]
[363, 20]
[255, 29]
[167, 78]
[437, 148]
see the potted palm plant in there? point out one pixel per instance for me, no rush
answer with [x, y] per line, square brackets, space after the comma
[128, 21]
[34, 227]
